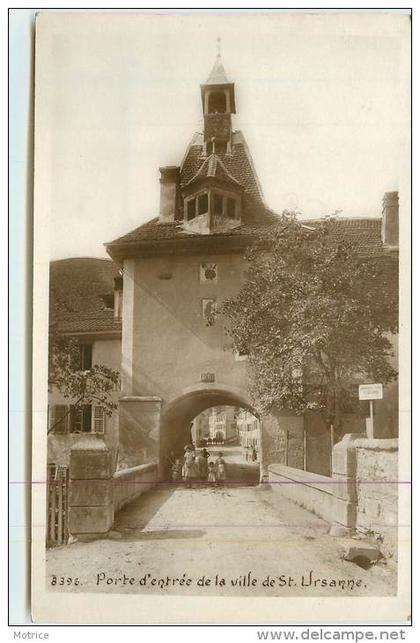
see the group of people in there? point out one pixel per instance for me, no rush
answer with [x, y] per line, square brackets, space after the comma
[197, 466]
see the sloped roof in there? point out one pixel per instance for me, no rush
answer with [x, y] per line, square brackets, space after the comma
[364, 232]
[213, 167]
[77, 288]
[217, 75]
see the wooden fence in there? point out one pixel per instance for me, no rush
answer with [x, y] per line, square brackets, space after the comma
[57, 505]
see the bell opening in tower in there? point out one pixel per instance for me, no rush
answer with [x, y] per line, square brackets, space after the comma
[217, 103]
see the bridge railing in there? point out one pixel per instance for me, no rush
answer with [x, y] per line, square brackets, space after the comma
[129, 484]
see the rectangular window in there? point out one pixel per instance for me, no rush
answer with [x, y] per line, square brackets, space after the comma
[59, 418]
[190, 209]
[231, 208]
[203, 203]
[99, 420]
[85, 357]
[218, 203]
[81, 419]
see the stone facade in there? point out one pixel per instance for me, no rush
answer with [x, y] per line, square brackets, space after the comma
[377, 490]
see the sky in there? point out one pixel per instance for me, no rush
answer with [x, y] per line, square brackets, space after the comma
[323, 102]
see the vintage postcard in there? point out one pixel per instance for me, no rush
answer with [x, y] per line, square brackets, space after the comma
[221, 318]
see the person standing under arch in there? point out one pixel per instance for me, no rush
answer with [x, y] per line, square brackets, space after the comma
[188, 469]
[220, 469]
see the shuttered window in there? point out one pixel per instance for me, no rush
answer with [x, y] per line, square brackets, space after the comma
[81, 419]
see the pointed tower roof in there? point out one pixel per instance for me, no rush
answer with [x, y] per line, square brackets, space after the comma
[217, 75]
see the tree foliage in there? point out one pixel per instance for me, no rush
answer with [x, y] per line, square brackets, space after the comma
[314, 316]
[82, 387]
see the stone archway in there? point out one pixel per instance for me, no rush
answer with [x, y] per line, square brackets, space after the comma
[177, 415]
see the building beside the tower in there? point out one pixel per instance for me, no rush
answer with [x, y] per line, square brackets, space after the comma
[86, 305]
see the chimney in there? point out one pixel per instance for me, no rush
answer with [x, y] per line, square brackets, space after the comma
[390, 220]
[118, 297]
[169, 180]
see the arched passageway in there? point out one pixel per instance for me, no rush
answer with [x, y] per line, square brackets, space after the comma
[178, 416]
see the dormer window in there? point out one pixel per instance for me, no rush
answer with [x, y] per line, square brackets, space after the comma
[215, 202]
[212, 199]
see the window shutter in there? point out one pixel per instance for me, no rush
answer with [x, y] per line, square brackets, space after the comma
[99, 420]
[59, 418]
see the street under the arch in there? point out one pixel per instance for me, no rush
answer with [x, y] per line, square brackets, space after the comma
[241, 539]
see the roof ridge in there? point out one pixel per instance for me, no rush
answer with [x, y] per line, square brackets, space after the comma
[79, 258]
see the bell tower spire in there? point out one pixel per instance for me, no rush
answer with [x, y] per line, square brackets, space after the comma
[218, 100]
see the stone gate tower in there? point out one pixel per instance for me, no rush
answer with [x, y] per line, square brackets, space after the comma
[177, 268]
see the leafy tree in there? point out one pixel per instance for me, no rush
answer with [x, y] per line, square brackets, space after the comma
[81, 387]
[314, 315]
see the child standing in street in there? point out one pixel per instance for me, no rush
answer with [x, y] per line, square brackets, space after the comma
[176, 471]
[212, 473]
[220, 469]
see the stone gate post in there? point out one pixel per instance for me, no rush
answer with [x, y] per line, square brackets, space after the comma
[91, 503]
[345, 490]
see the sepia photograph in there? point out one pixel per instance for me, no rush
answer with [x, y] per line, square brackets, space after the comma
[221, 317]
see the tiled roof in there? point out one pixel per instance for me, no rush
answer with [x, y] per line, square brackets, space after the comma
[364, 232]
[213, 167]
[77, 288]
[155, 231]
